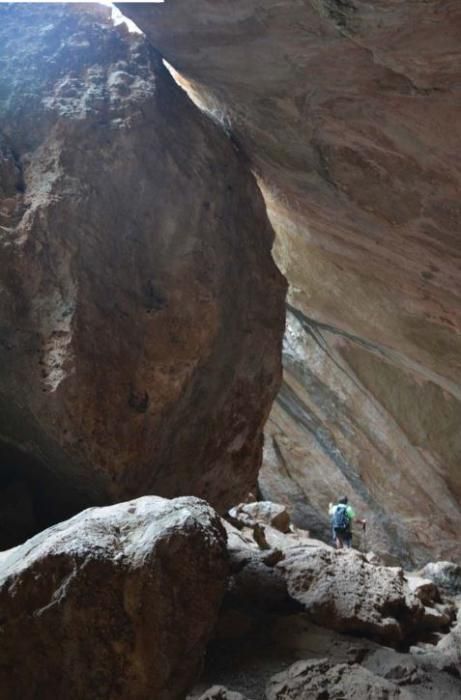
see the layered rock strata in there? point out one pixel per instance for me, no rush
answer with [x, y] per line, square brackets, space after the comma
[117, 602]
[348, 111]
[141, 313]
[329, 437]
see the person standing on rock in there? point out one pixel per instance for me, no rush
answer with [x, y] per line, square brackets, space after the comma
[342, 515]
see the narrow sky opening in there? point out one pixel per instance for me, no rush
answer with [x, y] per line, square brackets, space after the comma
[119, 18]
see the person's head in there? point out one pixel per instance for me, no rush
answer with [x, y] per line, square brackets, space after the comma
[344, 501]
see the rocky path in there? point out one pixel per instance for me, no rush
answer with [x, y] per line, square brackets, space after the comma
[360, 630]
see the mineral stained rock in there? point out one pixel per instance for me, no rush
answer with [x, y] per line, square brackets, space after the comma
[117, 602]
[348, 112]
[141, 313]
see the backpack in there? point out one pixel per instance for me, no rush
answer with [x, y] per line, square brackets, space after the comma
[341, 519]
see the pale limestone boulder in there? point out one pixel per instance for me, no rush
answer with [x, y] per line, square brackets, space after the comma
[262, 512]
[118, 602]
[342, 591]
[445, 574]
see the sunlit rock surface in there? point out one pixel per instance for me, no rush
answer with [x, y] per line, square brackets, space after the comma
[117, 602]
[141, 314]
[348, 111]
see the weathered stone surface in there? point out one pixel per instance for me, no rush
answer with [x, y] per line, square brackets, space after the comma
[322, 679]
[251, 645]
[420, 680]
[117, 602]
[218, 692]
[141, 313]
[444, 574]
[446, 655]
[247, 534]
[263, 512]
[254, 580]
[448, 650]
[259, 585]
[248, 663]
[347, 111]
[423, 588]
[383, 675]
[344, 592]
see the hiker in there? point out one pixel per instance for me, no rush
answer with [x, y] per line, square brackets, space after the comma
[342, 515]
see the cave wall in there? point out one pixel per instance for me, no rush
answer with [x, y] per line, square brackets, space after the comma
[348, 421]
[348, 112]
[141, 313]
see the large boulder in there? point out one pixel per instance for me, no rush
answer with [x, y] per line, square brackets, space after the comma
[141, 313]
[343, 591]
[348, 112]
[117, 602]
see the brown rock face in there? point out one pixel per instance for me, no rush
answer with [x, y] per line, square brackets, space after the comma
[141, 313]
[328, 437]
[348, 111]
[117, 602]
